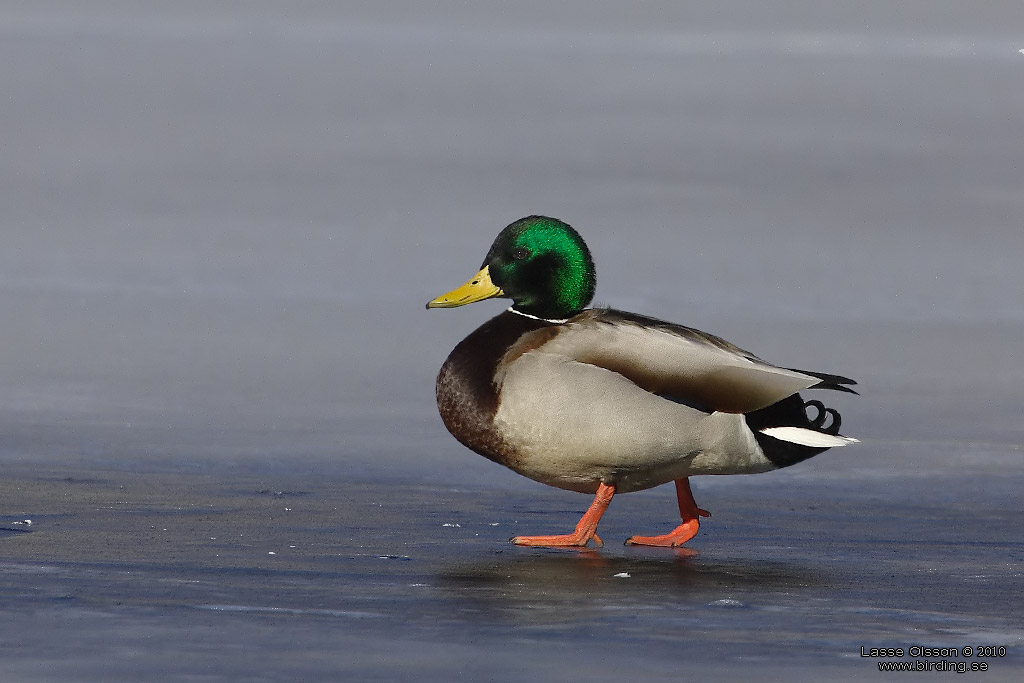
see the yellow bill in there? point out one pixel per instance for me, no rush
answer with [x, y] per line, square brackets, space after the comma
[478, 288]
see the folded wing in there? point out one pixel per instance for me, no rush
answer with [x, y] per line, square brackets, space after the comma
[671, 360]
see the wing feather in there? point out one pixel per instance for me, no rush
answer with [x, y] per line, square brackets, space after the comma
[673, 360]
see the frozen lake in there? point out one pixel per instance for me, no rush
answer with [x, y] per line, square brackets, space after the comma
[221, 223]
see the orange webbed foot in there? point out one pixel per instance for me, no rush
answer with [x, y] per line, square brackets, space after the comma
[585, 530]
[678, 536]
[572, 540]
[690, 514]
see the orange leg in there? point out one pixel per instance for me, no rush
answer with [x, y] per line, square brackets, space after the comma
[690, 513]
[585, 530]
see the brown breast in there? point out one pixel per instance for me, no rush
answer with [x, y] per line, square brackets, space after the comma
[467, 397]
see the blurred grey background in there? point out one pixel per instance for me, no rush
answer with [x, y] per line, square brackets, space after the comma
[220, 221]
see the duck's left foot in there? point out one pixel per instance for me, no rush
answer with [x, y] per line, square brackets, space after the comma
[573, 540]
[690, 514]
[678, 536]
[585, 530]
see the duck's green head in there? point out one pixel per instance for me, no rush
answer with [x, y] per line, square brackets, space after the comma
[541, 263]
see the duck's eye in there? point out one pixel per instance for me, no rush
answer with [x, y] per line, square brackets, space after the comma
[520, 253]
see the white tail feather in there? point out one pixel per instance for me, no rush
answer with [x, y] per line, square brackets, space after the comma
[808, 437]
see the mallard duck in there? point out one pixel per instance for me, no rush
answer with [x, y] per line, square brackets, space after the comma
[602, 401]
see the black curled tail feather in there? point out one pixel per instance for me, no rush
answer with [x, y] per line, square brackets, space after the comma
[792, 411]
[819, 421]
